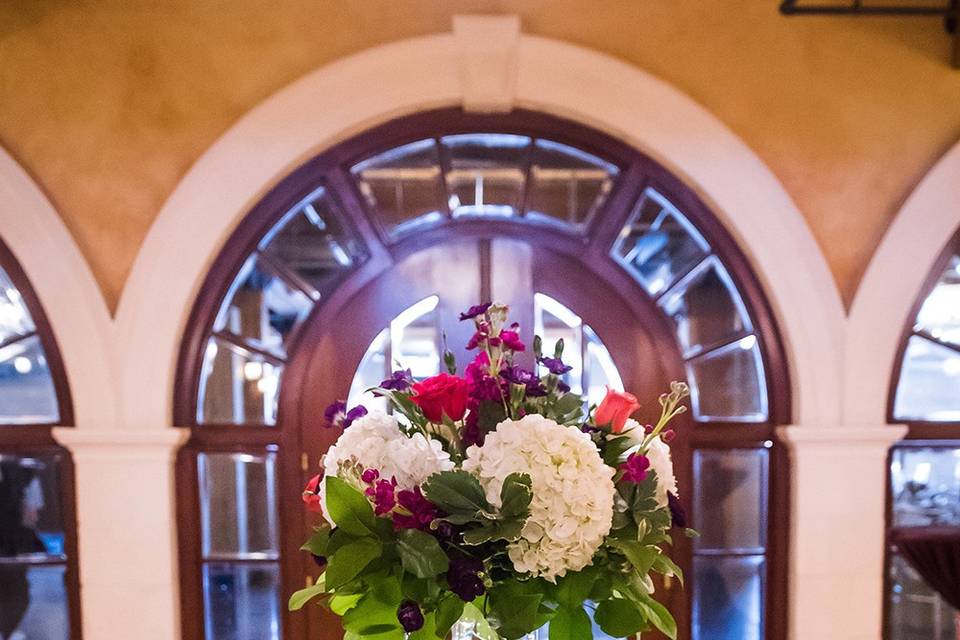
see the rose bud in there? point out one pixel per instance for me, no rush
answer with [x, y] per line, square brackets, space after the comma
[615, 408]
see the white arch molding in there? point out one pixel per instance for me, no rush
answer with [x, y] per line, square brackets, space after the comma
[468, 68]
[369, 88]
[891, 284]
[67, 290]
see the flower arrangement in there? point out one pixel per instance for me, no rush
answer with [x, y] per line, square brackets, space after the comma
[494, 498]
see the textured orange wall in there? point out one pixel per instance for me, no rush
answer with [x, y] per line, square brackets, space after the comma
[107, 103]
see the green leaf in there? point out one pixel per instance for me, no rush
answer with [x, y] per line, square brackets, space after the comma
[351, 559]
[615, 448]
[303, 596]
[448, 612]
[518, 607]
[473, 612]
[456, 492]
[571, 623]
[558, 349]
[509, 531]
[515, 496]
[619, 618]
[641, 556]
[349, 508]
[658, 614]
[568, 403]
[421, 554]
[317, 544]
[377, 607]
[574, 588]
[663, 564]
[341, 603]
[429, 629]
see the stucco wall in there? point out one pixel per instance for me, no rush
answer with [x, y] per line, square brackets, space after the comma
[108, 103]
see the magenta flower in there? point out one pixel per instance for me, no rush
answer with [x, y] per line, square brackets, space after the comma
[635, 468]
[369, 475]
[421, 511]
[511, 339]
[383, 494]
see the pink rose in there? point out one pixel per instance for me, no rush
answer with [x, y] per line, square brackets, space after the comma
[615, 408]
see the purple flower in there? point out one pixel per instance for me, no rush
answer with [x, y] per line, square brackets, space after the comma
[398, 381]
[474, 311]
[635, 468]
[444, 531]
[464, 577]
[338, 416]
[518, 375]
[321, 561]
[677, 515]
[563, 387]
[555, 365]
[421, 511]
[369, 475]
[354, 414]
[410, 616]
[383, 494]
[335, 413]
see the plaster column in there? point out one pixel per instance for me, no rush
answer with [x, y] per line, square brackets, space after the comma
[126, 531]
[837, 529]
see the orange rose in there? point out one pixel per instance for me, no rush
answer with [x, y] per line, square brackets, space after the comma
[616, 407]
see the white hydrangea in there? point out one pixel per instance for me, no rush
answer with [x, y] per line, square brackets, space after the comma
[658, 453]
[376, 442]
[572, 506]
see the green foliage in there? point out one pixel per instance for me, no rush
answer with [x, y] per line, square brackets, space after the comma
[421, 554]
[303, 596]
[317, 543]
[348, 508]
[620, 618]
[515, 496]
[571, 623]
[347, 563]
[457, 493]
[448, 612]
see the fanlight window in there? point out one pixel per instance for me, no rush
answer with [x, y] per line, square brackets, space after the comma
[296, 263]
[669, 257]
[27, 393]
[929, 387]
[38, 571]
[494, 175]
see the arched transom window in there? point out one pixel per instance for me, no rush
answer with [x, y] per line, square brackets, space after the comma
[347, 268]
[38, 560]
[924, 474]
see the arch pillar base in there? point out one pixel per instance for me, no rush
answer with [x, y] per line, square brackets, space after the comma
[837, 529]
[126, 530]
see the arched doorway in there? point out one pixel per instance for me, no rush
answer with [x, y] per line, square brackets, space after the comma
[359, 234]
